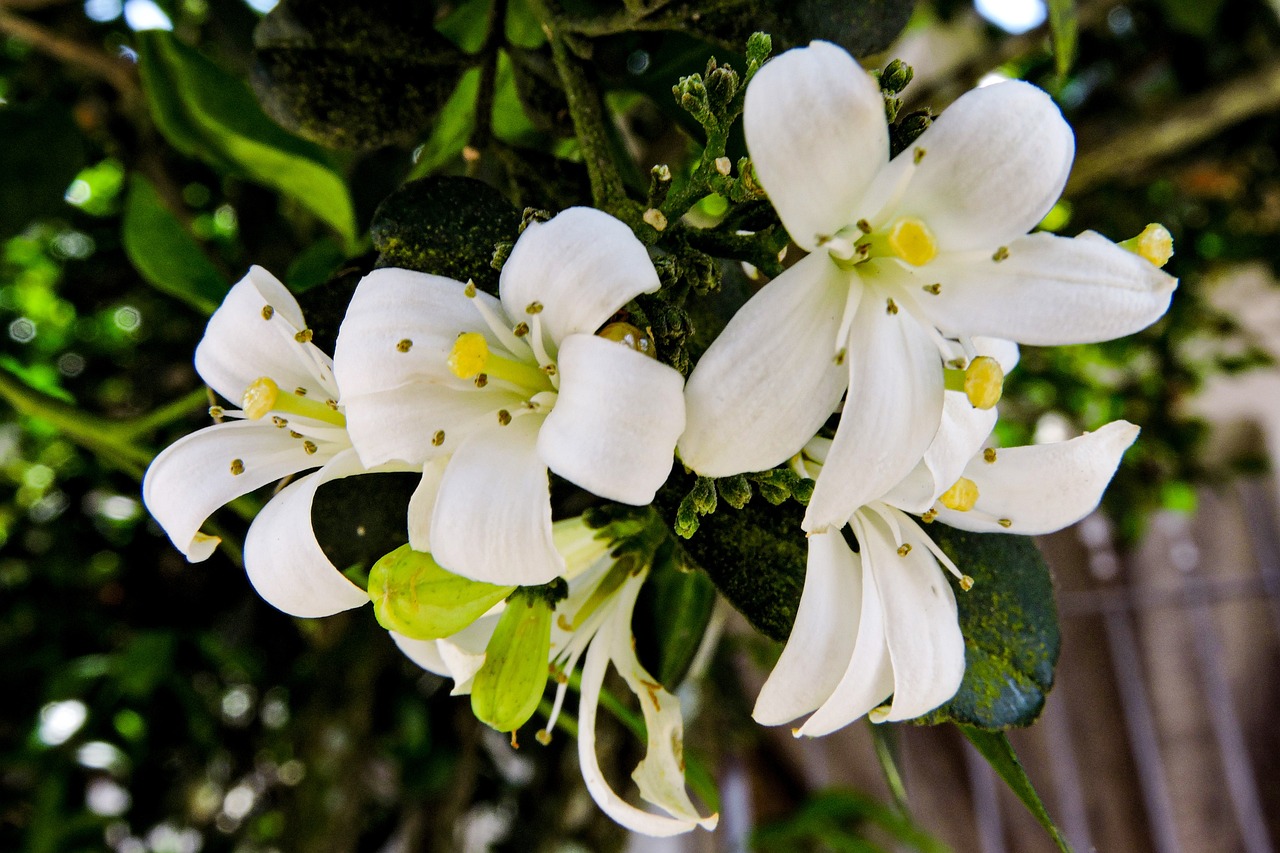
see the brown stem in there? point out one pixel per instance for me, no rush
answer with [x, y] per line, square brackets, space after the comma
[120, 74]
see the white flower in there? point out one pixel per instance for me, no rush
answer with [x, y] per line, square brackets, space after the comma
[257, 349]
[910, 259]
[595, 618]
[883, 621]
[505, 389]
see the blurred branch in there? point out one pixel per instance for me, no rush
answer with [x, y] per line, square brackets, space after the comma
[117, 72]
[1195, 121]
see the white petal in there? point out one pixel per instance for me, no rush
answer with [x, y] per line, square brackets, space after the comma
[822, 640]
[284, 561]
[891, 414]
[1051, 290]
[615, 423]
[463, 653]
[770, 380]
[193, 476]
[816, 132]
[1046, 487]
[403, 423]
[1004, 352]
[242, 344]
[997, 160]
[422, 652]
[921, 624]
[422, 505]
[581, 266]
[963, 431]
[394, 310]
[492, 520]
[658, 781]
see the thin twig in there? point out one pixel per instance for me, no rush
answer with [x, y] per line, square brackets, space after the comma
[120, 74]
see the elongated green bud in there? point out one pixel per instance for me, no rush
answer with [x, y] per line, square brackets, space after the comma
[509, 685]
[412, 595]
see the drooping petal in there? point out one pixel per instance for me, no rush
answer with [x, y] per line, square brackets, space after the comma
[962, 433]
[816, 132]
[867, 679]
[1050, 291]
[405, 423]
[770, 380]
[422, 504]
[463, 653]
[400, 328]
[284, 561]
[659, 781]
[1045, 487]
[891, 414]
[921, 625]
[196, 474]
[422, 652]
[615, 423]
[253, 334]
[492, 519]
[996, 162]
[822, 640]
[581, 267]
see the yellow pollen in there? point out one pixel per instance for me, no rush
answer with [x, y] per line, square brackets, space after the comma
[961, 497]
[911, 240]
[268, 312]
[404, 345]
[237, 467]
[905, 549]
[989, 455]
[966, 583]
[469, 355]
[438, 438]
[1154, 244]
[309, 447]
[984, 382]
[304, 337]
[260, 398]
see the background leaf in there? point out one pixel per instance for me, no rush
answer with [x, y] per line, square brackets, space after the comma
[671, 615]
[998, 752]
[165, 253]
[1063, 23]
[41, 151]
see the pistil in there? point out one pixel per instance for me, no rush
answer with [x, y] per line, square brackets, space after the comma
[263, 397]
[471, 357]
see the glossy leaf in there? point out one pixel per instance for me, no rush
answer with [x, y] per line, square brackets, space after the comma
[998, 752]
[412, 595]
[671, 616]
[165, 253]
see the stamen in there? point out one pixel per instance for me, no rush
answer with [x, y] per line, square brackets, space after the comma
[438, 438]
[533, 308]
[521, 329]
[404, 345]
[268, 312]
[934, 288]
[905, 549]
[304, 337]
[846, 319]
[929, 515]
[984, 382]
[966, 583]
[216, 412]
[1155, 244]
[263, 397]
[1005, 522]
[280, 422]
[309, 447]
[499, 329]
[504, 417]
[481, 380]
[629, 336]
[539, 349]
[237, 467]
[989, 455]
[1000, 254]
[923, 539]
[961, 497]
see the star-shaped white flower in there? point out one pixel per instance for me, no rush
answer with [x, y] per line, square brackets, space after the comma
[488, 394]
[257, 351]
[910, 259]
[883, 621]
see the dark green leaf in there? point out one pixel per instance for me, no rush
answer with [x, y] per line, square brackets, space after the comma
[447, 226]
[165, 253]
[671, 616]
[1010, 627]
[1196, 17]
[1062, 21]
[359, 519]
[452, 129]
[998, 752]
[209, 114]
[41, 151]
[314, 265]
[355, 75]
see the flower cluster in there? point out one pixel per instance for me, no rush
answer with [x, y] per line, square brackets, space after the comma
[901, 322]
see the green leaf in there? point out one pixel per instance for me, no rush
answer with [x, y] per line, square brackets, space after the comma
[841, 819]
[41, 151]
[998, 752]
[208, 114]
[1063, 23]
[165, 253]
[447, 226]
[508, 687]
[1196, 17]
[452, 129]
[412, 595]
[671, 615]
[359, 519]
[1010, 627]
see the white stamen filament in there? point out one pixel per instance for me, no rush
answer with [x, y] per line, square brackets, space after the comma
[924, 539]
[514, 345]
[539, 348]
[886, 211]
[851, 302]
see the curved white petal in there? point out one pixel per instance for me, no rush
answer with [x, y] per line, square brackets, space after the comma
[921, 624]
[867, 679]
[1045, 487]
[963, 431]
[1051, 290]
[770, 380]
[822, 640]
[891, 414]
[403, 423]
[245, 341]
[581, 266]
[463, 653]
[422, 504]
[492, 519]
[997, 160]
[400, 328]
[816, 132]
[1005, 352]
[614, 426]
[659, 775]
[284, 561]
[194, 476]
[422, 652]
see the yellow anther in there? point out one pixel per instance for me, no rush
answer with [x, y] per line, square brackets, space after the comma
[989, 455]
[280, 422]
[864, 226]
[260, 398]
[520, 330]
[962, 496]
[543, 737]
[911, 240]
[268, 312]
[1000, 254]
[469, 355]
[533, 308]
[984, 382]
[309, 447]
[1005, 522]
[481, 380]
[966, 583]
[905, 549]
[404, 345]
[300, 391]
[304, 337]
[470, 290]
[891, 308]
[934, 288]
[504, 417]
[1155, 244]
[438, 438]
[237, 467]
[216, 412]
[929, 516]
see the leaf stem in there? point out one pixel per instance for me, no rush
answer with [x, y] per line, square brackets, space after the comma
[167, 414]
[886, 745]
